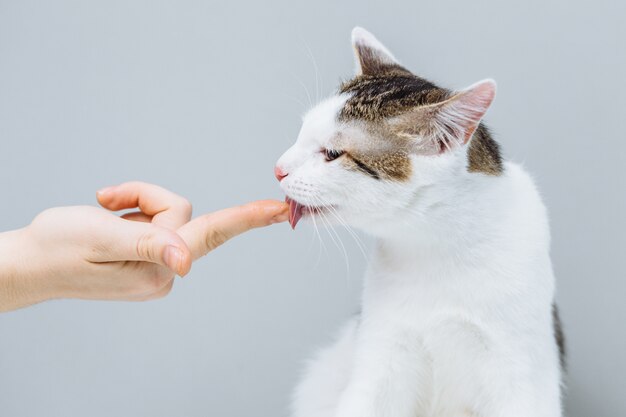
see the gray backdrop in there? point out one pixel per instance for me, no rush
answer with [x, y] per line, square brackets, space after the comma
[202, 97]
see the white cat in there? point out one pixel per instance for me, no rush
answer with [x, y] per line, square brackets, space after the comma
[457, 312]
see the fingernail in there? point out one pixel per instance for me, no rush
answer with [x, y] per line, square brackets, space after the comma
[104, 191]
[173, 258]
[278, 208]
[283, 217]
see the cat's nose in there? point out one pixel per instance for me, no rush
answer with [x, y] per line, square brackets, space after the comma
[279, 173]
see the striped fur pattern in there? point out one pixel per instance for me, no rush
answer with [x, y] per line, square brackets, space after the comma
[396, 93]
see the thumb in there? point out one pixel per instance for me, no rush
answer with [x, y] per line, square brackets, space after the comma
[136, 241]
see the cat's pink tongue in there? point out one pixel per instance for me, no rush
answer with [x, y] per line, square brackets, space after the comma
[295, 212]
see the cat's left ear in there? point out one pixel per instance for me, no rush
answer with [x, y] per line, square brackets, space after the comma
[447, 124]
[371, 56]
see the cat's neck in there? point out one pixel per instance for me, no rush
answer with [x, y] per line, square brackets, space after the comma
[481, 220]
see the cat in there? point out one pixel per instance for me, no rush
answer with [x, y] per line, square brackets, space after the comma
[457, 315]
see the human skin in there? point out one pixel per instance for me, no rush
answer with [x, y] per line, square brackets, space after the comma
[90, 253]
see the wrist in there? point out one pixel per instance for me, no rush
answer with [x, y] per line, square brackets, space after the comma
[20, 284]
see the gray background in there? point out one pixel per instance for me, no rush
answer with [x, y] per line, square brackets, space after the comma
[202, 98]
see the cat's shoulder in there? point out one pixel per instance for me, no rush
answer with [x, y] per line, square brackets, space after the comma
[518, 176]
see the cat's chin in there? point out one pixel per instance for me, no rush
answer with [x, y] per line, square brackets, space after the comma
[298, 210]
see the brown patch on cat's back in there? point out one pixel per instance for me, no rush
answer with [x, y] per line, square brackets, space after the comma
[484, 153]
[559, 336]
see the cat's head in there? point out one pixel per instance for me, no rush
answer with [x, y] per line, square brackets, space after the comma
[382, 146]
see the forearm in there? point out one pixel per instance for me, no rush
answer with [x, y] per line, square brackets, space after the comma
[18, 283]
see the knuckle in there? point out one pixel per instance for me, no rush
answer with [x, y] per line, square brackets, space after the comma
[185, 206]
[47, 216]
[214, 237]
[77, 223]
[144, 247]
[134, 184]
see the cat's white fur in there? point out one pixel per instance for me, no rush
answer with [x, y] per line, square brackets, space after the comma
[456, 309]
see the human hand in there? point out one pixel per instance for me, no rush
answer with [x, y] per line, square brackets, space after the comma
[90, 253]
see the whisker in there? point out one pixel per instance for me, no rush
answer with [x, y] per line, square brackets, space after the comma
[349, 229]
[318, 89]
[297, 100]
[306, 90]
[321, 245]
[338, 242]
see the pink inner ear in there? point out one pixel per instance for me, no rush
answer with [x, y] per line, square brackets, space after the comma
[469, 106]
[469, 131]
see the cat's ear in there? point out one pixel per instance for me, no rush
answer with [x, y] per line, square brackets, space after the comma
[450, 123]
[371, 56]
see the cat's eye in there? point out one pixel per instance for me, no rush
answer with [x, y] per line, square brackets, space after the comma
[332, 154]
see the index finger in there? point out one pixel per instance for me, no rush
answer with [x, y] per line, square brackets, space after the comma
[167, 209]
[205, 233]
